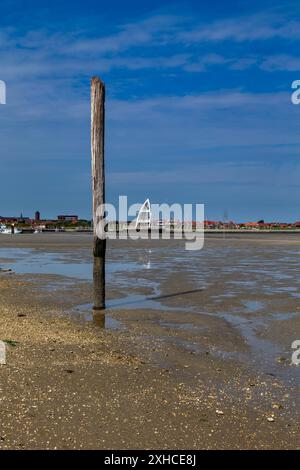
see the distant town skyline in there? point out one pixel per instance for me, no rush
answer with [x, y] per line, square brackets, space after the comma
[38, 217]
[198, 105]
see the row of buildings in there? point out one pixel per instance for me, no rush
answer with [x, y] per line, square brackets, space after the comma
[260, 225]
[208, 225]
[37, 221]
[75, 221]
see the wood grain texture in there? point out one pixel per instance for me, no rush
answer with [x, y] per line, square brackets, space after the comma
[98, 186]
[97, 145]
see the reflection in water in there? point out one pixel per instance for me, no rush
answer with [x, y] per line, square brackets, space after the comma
[99, 318]
[145, 259]
[99, 282]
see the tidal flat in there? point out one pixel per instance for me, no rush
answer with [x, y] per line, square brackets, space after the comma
[193, 351]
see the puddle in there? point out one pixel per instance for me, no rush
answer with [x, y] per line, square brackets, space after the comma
[238, 276]
[263, 353]
[179, 326]
[103, 320]
[252, 306]
[134, 302]
[60, 264]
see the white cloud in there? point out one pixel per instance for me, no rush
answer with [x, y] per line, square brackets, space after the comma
[155, 30]
[281, 62]
[142, 45]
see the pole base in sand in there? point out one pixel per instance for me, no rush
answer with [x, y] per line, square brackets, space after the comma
[98, 309]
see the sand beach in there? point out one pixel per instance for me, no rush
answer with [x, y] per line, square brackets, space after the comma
[193, 352]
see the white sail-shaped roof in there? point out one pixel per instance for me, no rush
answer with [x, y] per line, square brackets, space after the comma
[144, 216]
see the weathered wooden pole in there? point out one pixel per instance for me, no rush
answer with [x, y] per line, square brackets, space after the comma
[98, 178]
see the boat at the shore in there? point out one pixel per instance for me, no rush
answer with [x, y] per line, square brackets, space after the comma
[4, 230]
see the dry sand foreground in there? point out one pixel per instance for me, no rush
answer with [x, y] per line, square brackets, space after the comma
[71, 385]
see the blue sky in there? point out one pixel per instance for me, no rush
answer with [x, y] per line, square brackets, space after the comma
[198, 104]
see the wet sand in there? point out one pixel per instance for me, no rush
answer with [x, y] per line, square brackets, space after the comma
[195, 353]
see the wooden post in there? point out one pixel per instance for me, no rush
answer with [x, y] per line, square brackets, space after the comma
[98, 178]
[99, 318]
